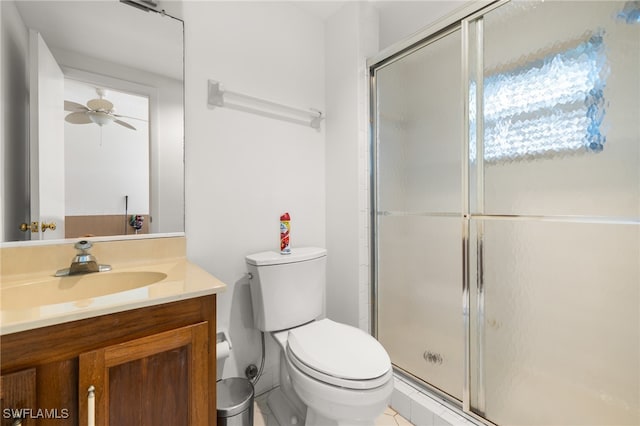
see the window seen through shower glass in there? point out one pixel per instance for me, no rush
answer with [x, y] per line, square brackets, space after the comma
[550, 105]
[557, 107]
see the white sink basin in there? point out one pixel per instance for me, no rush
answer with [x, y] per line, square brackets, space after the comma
[53, 290]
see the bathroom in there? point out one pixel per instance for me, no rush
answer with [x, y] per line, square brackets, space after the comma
[242, 171]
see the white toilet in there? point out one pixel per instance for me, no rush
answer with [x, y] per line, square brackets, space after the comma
[330, 373]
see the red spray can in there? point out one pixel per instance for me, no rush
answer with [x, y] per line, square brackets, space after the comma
[285, 229]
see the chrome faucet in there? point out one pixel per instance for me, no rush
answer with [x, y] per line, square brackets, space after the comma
[83, 262]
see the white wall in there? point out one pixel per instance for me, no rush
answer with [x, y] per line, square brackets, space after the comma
[237, 182]
[14, 125]
[351, 36]
[244, 170]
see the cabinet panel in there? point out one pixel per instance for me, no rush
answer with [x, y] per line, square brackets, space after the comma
[127, 378]
[138, 401]
[18, 395]
[56, 387]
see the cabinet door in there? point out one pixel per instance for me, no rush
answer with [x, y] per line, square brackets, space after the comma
[155, 380]
[18, 395]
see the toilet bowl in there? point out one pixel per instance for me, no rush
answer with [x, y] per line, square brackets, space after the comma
[341, 374]
[330, 373]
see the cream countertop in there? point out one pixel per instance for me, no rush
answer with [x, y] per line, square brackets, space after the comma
[32, 299]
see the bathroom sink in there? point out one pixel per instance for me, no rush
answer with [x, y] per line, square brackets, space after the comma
[54, 290]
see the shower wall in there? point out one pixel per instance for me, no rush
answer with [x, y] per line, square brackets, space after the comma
[540, 204]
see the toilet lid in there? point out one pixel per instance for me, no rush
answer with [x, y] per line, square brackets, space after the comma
[339, 351]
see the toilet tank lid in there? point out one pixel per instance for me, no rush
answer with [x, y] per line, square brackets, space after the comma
[299, 254]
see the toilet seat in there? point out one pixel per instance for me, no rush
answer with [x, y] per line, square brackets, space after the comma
[339, 354]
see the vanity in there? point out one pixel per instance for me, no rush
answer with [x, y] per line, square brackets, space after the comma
[95, 150]
[140, 354]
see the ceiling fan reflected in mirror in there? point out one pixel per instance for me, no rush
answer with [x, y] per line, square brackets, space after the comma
[99, 111]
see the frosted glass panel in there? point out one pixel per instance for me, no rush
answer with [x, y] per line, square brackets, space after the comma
[561, 322]
[419, 294]
[561, 109]
[419, 130]
[554, 307]
[419, 193]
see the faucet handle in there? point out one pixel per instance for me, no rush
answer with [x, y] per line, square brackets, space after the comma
[83, 245]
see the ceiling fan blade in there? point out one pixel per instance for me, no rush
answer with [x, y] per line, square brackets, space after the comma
[100, 105]
[128, 116]
[77, 118]
[127, 125]
[74, 107]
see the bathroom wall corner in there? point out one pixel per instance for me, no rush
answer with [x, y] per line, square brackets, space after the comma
[351, 36]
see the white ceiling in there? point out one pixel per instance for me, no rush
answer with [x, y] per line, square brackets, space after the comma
[110, 31]
[320, 9]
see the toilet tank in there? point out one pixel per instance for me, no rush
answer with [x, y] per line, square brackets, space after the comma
[287, 290]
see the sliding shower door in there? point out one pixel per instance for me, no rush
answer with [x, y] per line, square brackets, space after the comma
[507, 212]
[419, 203]
[555, 209]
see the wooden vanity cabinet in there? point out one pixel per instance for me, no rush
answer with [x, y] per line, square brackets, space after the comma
[154, 380]
[149, 366]
[17, 390]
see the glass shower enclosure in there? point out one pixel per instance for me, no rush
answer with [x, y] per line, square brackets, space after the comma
[506, 211]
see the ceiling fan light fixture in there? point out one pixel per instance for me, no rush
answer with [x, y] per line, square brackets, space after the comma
[99, 111]
[100, 118]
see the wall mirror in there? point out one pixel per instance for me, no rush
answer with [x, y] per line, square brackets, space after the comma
[93, 106]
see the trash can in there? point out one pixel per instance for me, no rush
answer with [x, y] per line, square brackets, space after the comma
[235, 402]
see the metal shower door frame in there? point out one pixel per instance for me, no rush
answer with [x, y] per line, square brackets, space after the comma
[459, 20]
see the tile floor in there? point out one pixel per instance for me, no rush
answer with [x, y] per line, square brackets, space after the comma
[262, 415]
